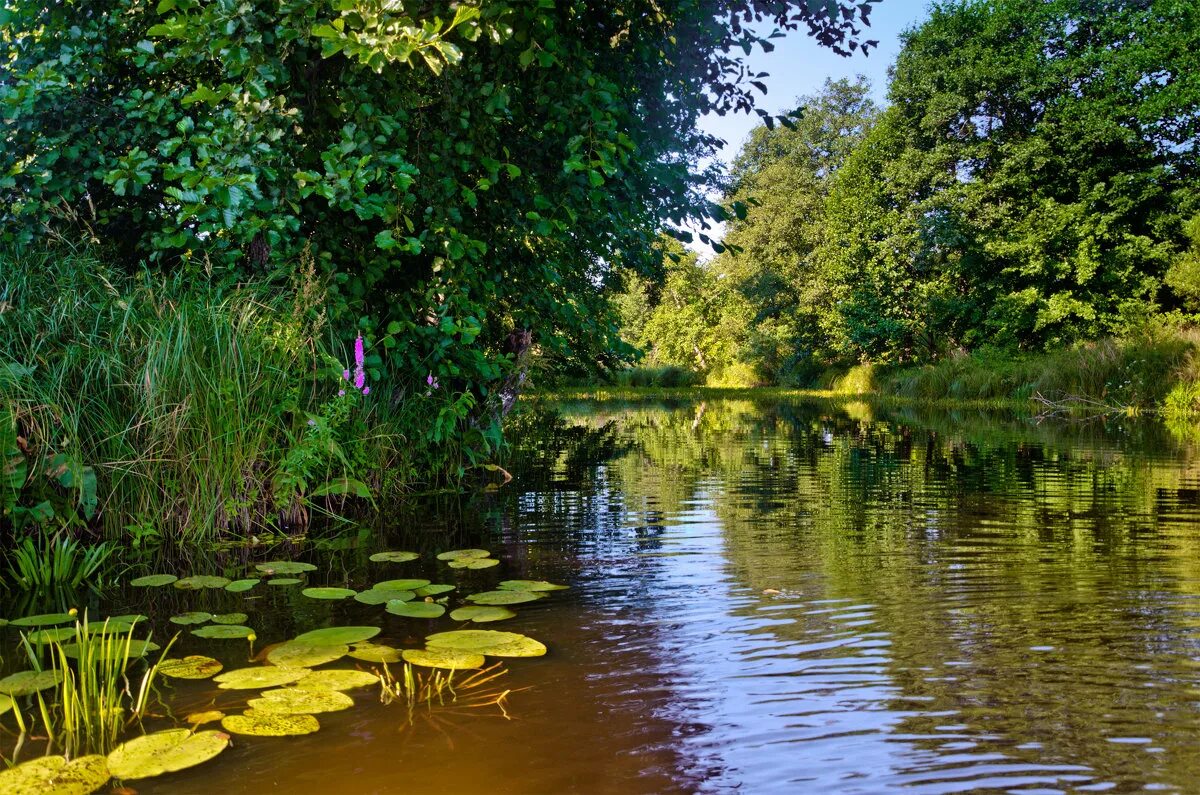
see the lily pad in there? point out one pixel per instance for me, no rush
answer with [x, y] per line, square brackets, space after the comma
[195, 666]
[530, 585]
[5, 703]
[372, 652]
[452, 659]
[378, 596]
[230, 618]
[300, 654]
[240, 586]
[400, 585]
[434, 590]
[338, 635]
[137, 648]
[259, 676]
[327, 593]
[504, 597]
[223, 631]
[393, 557]
[128, 618]
[198, 581]
[284, 581]
[416, 609]
[474, 563]
[54, 775]
[270, 724]
[285, 567]
[455, 554]
[26, 683]
[43, 620]
[301, 701]
[338, 679]
[481, 614]
[487, 641]
[52, 635]
[165, 752]
[200, 718]
[197, 617]
[153, 580]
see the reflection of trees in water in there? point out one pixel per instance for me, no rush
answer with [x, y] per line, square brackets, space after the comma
[1028, 578]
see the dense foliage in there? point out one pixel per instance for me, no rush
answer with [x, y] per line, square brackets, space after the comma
[1031, 184]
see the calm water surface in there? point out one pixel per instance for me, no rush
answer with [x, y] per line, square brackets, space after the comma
[782, 598]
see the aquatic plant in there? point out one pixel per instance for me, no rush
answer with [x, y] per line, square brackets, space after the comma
[428, 688]
[94, 700]
[43, 562]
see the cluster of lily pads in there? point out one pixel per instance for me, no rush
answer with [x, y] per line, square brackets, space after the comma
[291, 692]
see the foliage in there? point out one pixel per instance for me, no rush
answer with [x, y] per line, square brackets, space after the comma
[461, 170]
[200, 407]
[1027, 184]
[44, 562]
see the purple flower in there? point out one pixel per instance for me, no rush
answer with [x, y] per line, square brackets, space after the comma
[360, 373]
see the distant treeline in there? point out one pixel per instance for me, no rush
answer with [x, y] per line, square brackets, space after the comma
[1030, 185]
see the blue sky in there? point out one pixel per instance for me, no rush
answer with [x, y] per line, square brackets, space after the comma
[799, 66]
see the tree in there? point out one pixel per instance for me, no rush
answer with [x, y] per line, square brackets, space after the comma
[461, 170]
[1028, 184]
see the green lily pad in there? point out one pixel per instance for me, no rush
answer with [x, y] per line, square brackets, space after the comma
[208, 716]
[338, 635]
[153, 580]
[327, 593]
[110, 626]
[393, 557]
[285, 567]
[455, 554]
[416, 609]
[301, 701]
[504, 597]
[400, 585]
[258, 677]
[284, 581]
[54, 775]
[198, 581]
[223, 631]
[26, 683]
[165, 752]
[481, 614]
[127, 618]
[378, 596]
[338, 679]
[230, 618]
[300, 654]
[487, 641]
[474, 563]
[197, 617]
[452, 659]
[270, 724]
[195, 666]
[434, 590]
[530, 585]
[373, 652]
[137, 648]
[43, 620]
[240, 586]
[52, 635]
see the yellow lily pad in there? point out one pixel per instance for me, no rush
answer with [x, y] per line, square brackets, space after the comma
[165, 752]
[481, 614]
[337, 679]
[54, 775]
[270, 724]
[452, 659]
[373, 652]
[194, 666]
[259, 676]
[296, 654]
[491, 642]
[301, 701]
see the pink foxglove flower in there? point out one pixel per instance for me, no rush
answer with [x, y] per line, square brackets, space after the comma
[360, 373]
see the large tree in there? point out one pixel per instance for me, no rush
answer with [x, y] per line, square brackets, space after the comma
[1029, 183]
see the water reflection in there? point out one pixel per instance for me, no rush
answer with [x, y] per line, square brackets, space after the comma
[864, 604]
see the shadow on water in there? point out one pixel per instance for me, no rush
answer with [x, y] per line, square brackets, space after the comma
[784, 597]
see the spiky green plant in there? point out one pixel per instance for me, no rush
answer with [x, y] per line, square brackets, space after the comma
[95, 700]
[44, 562]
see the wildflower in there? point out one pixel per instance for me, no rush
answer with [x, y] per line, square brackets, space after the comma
[360, 373]
[432, 383]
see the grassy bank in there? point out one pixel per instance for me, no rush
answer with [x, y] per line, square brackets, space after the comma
[1157, 370]
[147, 408]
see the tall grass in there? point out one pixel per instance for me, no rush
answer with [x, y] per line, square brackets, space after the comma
[45, 562]
[95, 701]
[203, 407]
